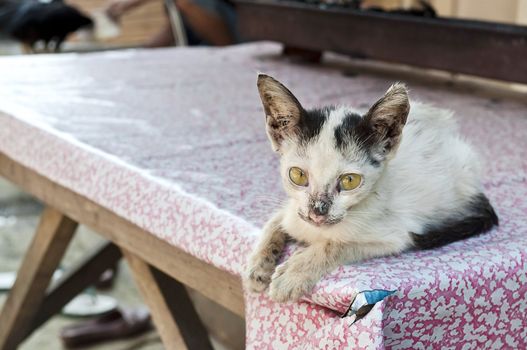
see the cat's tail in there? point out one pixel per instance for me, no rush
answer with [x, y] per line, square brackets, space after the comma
[478, 217]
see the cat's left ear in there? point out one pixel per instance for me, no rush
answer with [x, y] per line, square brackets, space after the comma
[282, 110]
[387, 117]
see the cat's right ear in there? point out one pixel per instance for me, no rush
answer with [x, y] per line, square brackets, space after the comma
[387, 117]
[282, 110]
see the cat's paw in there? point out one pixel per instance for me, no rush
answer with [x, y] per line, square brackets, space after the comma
[259, 272]
[287, 285]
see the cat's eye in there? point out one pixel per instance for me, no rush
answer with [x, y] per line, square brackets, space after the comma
[298, 176]
[349, 182]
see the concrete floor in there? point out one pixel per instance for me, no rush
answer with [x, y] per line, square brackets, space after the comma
[19, 216]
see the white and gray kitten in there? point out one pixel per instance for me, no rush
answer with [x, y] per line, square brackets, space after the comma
[363, 185]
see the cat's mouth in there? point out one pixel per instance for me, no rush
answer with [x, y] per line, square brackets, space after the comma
[319, 222]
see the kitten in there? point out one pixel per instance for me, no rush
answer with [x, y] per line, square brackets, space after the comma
[362, 186]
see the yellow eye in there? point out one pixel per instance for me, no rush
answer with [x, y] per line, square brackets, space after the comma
[349, 181]
[298, 176]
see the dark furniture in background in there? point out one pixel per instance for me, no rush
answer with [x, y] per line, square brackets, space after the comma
[484, 49]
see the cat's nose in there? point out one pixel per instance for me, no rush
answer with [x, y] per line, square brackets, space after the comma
[321, 208]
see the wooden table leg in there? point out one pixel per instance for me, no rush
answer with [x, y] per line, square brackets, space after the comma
[172, 311]
[182, 309]
[75, 281]
[53, 235]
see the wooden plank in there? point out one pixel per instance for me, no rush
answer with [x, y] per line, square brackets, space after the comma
[521, 12]
[445, 7]
[217, 285]
[154, 298]
[483, 49]
[182, 309]
[137, 25]
[488, 10]
[53, 235]
[76, 280]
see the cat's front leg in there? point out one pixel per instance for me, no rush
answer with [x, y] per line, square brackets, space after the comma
[299, 274]
[262, 261]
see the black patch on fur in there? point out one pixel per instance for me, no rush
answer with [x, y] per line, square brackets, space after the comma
[480, 218]
[344, 132]
[355, 128]
[311, 123]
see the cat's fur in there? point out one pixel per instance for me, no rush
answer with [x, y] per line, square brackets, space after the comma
[420, 186]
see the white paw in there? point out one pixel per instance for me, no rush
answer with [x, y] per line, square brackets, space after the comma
[289, 286]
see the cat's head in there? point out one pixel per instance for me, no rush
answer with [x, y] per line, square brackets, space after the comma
[331, 158]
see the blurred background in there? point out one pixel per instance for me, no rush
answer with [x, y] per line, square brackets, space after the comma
[136, 23]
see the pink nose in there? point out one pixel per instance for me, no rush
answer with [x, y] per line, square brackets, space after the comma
[317, 219]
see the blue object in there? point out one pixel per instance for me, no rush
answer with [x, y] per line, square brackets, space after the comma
[364, 302]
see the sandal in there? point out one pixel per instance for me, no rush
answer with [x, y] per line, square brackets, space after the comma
[117, 324]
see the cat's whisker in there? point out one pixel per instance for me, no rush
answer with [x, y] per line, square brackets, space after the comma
[271, 200]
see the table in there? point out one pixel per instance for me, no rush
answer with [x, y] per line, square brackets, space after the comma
[164, 153]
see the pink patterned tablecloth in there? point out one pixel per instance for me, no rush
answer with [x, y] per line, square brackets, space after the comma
[174, 141]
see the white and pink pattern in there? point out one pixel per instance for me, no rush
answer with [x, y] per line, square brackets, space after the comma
[173, 140]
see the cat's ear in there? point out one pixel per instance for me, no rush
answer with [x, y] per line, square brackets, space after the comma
[387, 117]
[282, 110]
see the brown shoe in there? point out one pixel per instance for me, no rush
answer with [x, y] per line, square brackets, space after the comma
[117, 324]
